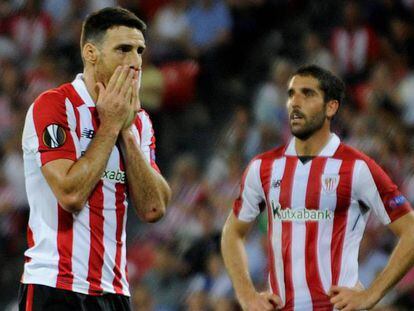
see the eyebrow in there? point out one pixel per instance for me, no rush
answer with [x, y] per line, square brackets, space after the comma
[302, 89]
[127, 45]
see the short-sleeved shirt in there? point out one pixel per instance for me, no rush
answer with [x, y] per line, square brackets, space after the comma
[207, 22]
[317, 211]
[83, 252]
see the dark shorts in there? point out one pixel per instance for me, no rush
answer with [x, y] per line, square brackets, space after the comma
[34, 297]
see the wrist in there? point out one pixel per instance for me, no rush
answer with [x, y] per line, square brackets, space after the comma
[109, 129]
[246, 295]
[127, 134]
[373, 296]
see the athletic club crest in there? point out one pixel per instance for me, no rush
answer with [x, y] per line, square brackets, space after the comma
[330, 182]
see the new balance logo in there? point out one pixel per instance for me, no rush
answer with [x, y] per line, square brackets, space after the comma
[276, 183]
[303, 214]
[88, 133]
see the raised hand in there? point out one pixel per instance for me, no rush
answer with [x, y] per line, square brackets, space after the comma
[134, 101]
[114, 100]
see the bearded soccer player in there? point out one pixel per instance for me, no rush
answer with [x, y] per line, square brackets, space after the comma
[317, 193]
[88, 147]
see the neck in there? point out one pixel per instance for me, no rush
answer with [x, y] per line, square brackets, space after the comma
[314, 144]
[90, 82]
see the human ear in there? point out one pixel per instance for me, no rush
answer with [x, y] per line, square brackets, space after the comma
[332, 108]
[90, 53]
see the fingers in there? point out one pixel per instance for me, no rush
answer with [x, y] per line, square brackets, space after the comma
[359, 286]
[275, 301]
[139, 77]
[136, 105]
[334, 290]
[119, 85]
[340, 298]
[114, 77]
[272, 301]
[340, 305]
[126, 83]
[128, 94]
[100, 88]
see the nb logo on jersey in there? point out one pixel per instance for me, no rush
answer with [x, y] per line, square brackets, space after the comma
[117, 176]
[88, 133]
[302, 214]
[276, 183]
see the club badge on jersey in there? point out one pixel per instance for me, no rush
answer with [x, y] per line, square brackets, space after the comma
[330, 182]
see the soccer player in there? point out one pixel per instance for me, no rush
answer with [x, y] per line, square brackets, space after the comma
[88, 147]
[317, 193]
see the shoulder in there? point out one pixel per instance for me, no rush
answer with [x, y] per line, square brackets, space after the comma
[272, 154]
[348, 153]
[54, 97]
[50, 97]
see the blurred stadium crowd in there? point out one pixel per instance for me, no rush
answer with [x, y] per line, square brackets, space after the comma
[214, 80]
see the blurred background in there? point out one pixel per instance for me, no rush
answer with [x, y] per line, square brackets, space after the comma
[214, 83]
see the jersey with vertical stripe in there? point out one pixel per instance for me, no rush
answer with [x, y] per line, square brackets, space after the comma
[83, 252]
[317, 211]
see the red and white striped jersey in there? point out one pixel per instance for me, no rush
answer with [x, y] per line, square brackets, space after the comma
[317, 212]
[83, 252]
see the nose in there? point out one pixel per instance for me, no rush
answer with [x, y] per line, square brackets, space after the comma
[135, 61]
[294, 101]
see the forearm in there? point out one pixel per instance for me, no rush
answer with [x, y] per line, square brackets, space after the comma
[235, 260]
[401, 260]
[149, 191]
[86, 172]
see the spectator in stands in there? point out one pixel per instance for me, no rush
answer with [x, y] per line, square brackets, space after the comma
[354, 44]
[269, 109]
[31, 29]
[171, 32]
[316, 53]
[210, 23]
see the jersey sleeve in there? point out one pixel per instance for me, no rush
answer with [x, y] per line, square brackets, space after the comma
[147, 138]
[251, 196]
[375, 189]
[50, 129]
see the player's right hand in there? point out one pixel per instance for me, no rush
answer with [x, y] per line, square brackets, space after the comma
[264, 301]
[114, 100]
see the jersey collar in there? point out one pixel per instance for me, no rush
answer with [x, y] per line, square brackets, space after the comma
[327, 151]
[80, 87]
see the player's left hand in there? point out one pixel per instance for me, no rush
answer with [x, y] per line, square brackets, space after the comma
[351, 299]
[135, 102]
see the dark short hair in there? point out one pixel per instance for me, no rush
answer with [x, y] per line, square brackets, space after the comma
[333, 87]
[97, 23]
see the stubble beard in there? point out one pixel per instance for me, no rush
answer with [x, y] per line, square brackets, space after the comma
[310, 127]
[102, 73]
